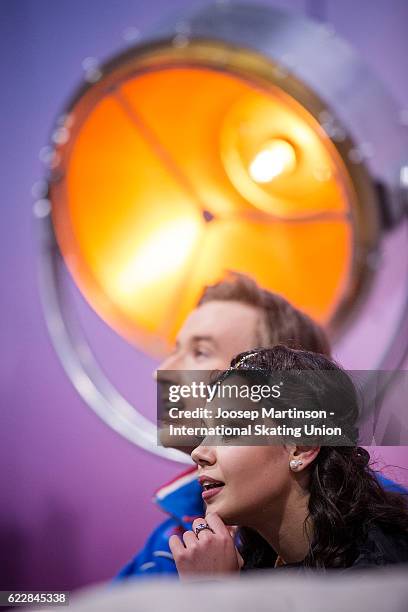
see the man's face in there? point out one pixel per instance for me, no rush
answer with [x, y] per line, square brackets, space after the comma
[211, 336]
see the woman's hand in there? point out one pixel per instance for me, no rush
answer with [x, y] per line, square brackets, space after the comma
[206, 554]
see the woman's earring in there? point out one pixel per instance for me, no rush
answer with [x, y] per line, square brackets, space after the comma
[295, 463]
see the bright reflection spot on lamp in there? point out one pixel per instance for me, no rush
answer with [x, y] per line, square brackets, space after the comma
[276, 158]
[163, 252]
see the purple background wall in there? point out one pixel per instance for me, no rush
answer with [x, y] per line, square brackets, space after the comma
[75, 497]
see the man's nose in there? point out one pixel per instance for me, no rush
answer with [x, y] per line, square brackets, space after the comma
[169, 363]
[203, 455]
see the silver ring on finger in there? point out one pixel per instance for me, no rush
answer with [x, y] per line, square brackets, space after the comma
[201, 527]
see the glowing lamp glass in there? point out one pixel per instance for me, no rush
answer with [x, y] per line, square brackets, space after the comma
[173, 174]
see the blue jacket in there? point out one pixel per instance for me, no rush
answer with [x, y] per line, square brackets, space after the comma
[181, 500]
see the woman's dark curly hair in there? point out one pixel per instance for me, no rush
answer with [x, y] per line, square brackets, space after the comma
[346, 499]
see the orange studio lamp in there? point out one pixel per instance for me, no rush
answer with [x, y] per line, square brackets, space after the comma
[233, 139]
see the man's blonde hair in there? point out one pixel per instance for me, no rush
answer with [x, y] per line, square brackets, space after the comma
[282, 323]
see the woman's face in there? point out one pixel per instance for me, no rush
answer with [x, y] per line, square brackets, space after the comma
[256, 481]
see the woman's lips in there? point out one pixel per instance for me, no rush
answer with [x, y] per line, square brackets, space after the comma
[211, 492]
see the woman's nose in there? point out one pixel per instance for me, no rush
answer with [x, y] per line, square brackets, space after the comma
[203, 455]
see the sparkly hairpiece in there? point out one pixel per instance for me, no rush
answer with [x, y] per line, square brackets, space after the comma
[242, 364]
[242, 361]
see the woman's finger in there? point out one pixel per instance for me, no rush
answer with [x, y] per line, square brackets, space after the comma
[202, 533]
[189, 539]
[217, 525]
[176, 545]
